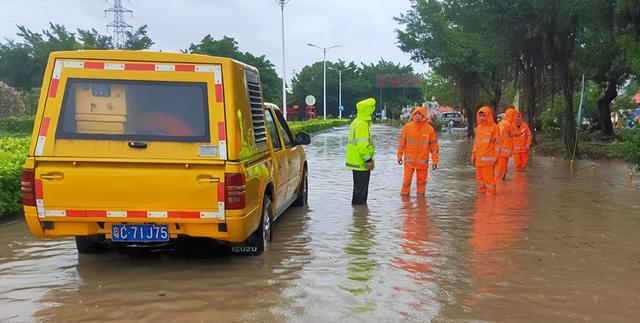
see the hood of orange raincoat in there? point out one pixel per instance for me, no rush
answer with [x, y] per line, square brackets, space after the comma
[422, 111]
[517, 117]
[489, 113]
[510, 115]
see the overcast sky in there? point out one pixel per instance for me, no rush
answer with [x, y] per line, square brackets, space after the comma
[364, 28]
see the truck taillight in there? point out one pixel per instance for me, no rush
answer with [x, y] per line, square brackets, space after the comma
[28, 187]
[235, 190]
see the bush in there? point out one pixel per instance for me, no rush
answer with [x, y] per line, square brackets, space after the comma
[628, 145]
[315, 125]
[13, 152]
[30, 99]
[10, 103]
[17, 125]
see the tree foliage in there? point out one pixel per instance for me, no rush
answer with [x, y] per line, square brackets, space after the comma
[538, 47]
[22, 63]
[358, 82]
[228, 47]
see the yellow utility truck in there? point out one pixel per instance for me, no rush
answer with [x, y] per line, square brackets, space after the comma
[136, 147]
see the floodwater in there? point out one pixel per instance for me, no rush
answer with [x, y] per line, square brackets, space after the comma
[557, 244]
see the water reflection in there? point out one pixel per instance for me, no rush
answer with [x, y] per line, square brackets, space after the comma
[415, 258]
[498, 224]
[417, 254]
[197, 280]
[361, 264]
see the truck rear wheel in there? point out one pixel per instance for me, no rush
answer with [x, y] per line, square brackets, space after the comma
[303, 191]
[258, 241]
[92, 244]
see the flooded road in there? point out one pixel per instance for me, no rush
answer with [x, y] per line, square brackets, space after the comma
[557, 244]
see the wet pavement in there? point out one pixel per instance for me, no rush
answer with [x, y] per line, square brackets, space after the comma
[557, 244]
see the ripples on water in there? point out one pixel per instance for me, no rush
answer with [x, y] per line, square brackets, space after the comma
[557, 243]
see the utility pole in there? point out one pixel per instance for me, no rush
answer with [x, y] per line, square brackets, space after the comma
[118, 25]
[283, 3]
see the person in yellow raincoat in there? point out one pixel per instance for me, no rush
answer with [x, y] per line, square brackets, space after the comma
[360, 150]
[416, 142]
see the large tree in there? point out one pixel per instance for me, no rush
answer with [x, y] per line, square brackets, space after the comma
[452, 37]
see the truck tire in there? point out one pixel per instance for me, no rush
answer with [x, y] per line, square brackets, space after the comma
[92, 244]
[258, 241]
[303, 191]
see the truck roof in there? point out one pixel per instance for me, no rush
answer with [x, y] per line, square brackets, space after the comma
[145, 56]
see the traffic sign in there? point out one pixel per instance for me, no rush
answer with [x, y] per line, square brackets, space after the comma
[341, 108]
[310, 100]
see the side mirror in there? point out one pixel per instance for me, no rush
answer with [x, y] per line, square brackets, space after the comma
[303, 138]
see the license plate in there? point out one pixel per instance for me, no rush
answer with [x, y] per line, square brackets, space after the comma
[139, 233]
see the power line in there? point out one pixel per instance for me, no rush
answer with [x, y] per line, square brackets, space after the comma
[118, 25]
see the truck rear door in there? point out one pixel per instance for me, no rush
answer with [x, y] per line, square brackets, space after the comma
[131, 139]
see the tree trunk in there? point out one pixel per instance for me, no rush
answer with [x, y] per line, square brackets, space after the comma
[529, 87]
[467, 88]
[604, 103]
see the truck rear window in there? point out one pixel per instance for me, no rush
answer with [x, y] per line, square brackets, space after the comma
[134, 110]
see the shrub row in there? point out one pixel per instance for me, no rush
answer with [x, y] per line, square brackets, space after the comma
[13, 152]
[17, 125]
[316, 125]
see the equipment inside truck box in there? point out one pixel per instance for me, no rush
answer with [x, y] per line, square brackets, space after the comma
[100, 108]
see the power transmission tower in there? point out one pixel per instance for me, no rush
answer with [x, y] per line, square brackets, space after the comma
[118, 25]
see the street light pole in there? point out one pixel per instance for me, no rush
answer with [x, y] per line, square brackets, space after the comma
[324, 89]
[339, 94]
[283, 3]
[324, 61]
[340, 88]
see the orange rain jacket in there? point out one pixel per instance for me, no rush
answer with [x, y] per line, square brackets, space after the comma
[485, 145]
[416, 141]
[522, 140]
[507, 132]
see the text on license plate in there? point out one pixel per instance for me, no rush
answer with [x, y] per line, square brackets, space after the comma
[139, 233]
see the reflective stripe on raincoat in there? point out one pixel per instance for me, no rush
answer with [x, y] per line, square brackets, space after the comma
[417, 140]
[360, 148]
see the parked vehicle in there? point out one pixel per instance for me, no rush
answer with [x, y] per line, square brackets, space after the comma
[456, 117]
[145, 147]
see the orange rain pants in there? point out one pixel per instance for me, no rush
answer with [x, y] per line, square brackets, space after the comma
[421, 180]
[501, 167]
[520, 161]
[486, 179]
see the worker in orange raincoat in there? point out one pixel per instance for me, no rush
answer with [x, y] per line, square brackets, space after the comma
[522, 143]
[485, 150]
[417, 140]
[507, 132]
